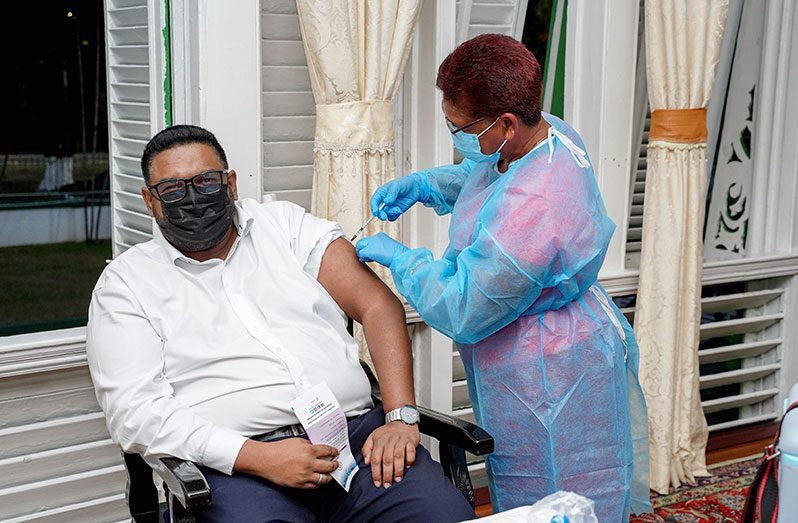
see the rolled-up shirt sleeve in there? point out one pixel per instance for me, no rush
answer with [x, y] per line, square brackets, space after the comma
[126, 363]
[310, 236]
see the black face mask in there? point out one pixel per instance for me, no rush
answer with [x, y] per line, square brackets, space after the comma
[198, 222]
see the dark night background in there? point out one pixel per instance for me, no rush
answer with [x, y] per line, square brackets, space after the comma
[49, 57]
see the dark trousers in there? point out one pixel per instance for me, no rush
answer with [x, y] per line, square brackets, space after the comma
[424, 494]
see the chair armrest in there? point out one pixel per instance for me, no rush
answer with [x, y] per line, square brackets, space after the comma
[455, 432]
[184, 480]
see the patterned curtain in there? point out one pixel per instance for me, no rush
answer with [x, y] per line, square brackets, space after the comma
[356, 52]
[683, 40]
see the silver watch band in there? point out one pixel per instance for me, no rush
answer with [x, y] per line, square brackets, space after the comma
[407, 414]
[393, 415]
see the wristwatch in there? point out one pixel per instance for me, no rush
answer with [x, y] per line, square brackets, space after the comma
[407, 415]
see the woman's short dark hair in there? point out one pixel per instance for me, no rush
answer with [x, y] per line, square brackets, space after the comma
[490, 75]
[175, 136]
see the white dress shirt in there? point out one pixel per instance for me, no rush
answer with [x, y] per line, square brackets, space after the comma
[189, 357]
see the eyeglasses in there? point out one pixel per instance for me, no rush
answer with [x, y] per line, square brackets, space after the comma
[454, 129]
[175, 189]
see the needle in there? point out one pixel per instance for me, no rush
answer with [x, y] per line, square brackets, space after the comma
[366, 224]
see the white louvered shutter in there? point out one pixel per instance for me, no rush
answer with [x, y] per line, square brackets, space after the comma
[740, 355]
[642, 116]
[136, 111]
[289, 111]
[634, 232]
[740, 351]
[490, 16]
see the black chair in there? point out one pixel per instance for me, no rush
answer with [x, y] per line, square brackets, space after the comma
[189, 492]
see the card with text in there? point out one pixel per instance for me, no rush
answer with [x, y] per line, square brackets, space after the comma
[325, 422]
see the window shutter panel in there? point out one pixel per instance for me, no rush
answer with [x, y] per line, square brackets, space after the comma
[137, 108]
[634, 232]
[289, 110]
[490, 16]
[739, 352]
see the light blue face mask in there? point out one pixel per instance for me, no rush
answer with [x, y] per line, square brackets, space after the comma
[468, 145]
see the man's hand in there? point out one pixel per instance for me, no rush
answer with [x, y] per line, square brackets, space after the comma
[292, 462]
[390, 450]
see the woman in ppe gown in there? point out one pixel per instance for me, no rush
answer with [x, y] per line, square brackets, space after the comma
[550, 360]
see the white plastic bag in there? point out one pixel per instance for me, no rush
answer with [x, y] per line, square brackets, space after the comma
[551, 509]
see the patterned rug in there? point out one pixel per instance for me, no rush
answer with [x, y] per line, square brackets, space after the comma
[719, 498]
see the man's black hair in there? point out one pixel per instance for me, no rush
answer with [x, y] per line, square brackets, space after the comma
[175, 136]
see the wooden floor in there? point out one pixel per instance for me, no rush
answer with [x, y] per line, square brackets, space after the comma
[754, 448]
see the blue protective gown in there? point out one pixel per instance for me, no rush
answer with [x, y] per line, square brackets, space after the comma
[551, 362]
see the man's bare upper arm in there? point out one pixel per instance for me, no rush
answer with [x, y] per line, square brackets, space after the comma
[352, 284]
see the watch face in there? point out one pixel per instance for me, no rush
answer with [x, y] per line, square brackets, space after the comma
[409, 415]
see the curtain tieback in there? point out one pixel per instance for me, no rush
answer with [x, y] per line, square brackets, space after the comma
[688, 126]
[355, 126]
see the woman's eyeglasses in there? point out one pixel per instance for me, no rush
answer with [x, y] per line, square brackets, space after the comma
[454, 129]
[175, 189]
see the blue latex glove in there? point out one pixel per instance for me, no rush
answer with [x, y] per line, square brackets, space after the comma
[399, 195]
[379, 248]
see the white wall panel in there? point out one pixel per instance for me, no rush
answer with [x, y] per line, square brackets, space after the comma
[57, 462]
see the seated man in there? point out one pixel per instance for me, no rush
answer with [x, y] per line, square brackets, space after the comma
[199, 340]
